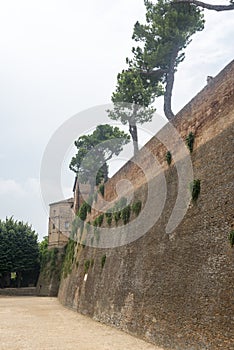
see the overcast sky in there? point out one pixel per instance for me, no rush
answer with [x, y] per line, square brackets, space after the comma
[59, 58]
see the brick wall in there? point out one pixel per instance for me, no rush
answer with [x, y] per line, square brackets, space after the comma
[174, 290]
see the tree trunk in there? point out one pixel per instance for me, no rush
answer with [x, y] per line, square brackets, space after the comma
[208, 6]
[19, 278]
[170, 77]
[133, 130]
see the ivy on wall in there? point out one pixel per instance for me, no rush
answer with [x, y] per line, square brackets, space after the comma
[195, 188]
[231, 238]
[190, 141]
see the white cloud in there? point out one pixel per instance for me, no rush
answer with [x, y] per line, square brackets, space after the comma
[10, 187]
[22, 201]
[13, 188]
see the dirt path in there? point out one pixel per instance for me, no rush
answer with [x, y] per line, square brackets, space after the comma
[31, 323]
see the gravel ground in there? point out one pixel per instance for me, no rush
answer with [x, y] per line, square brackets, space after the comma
[32, 323]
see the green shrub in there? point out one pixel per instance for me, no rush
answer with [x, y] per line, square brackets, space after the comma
[117, 216]
[95, 223]
[100, 219]
[195, 188]
[231, 238]
[75, 226]
[86, 266]
[118, 206]
[83, 211]
[125, 214]
[103, 261]
[102, 189]
[88, 208]
[109, 218]
[190, 141]
[122, 203]
[136, 207]
[168, 157]
[53, 257]
[69, 257]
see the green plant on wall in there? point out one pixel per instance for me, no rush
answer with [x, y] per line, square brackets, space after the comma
[102, 189]
[122, 203]
[195, 188]
[190, 141]
[117, 216]
[231, 238]
[103, 261]
[86, 266]
[100, 219]
[108, 218]
[54, 254]
[49, 261]
[88, 208]
[168, 157]
[82, 213]
[125, 214]
[69, 258]
[75, 226]
[95, 222]
[136, 207]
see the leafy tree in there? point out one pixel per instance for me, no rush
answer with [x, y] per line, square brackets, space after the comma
[209, 6]
[95, 150]
[132, 98]
[165, 35]
[43, 251]
[19, 251]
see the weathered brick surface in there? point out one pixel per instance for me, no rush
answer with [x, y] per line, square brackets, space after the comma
[174, 290]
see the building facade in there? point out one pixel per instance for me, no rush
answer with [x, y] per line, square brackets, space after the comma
[60, 222]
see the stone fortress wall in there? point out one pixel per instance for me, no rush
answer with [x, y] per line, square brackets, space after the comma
[174, 290]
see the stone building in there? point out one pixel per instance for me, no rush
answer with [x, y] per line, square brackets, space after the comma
[60, 222]
[81, 193]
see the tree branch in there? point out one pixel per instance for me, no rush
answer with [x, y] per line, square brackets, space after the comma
[208, 6]
[154, 73]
